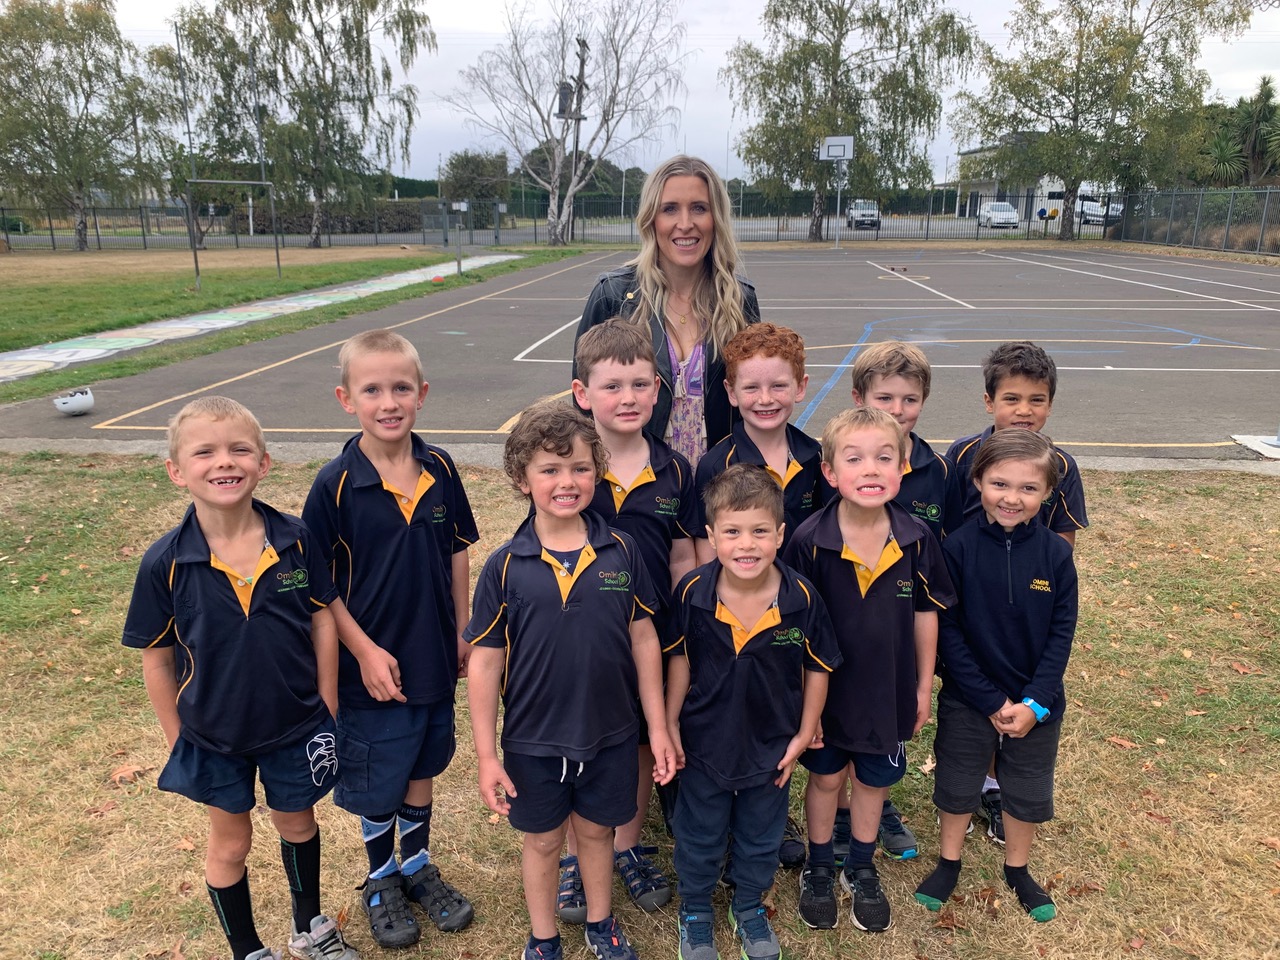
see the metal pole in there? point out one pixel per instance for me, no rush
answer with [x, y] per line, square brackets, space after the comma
[1262, 228]
[52, 239]
[186, 112]
[96, 232]
[191, 235]
[1231, 206]
[4, 222]
[275, 233]
[142, 222]
[458, 242]
[839, 189]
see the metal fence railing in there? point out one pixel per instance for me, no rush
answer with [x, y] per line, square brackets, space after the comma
[938, 215]
[1240, 220]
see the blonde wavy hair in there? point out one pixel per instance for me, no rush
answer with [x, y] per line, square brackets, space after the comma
[717, 294]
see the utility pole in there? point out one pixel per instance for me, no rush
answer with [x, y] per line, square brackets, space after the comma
[577, 121]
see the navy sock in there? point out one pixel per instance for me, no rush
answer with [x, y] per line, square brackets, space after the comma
[822, 854]
[302, 867]
[1033, 897]
[379, 835]
[600, 926]
[544, 947]
[860, 854]
[235, 914]
[415, 837]
[939, 885]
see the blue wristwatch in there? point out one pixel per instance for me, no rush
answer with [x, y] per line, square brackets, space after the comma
[1041, 713]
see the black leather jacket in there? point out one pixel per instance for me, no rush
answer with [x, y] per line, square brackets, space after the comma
[616, 294]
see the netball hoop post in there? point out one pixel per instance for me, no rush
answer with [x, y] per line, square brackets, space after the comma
[191, 218]
[837, 150]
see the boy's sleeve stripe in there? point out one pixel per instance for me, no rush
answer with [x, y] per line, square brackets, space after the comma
[322, 606]
[442, 463]
[675, 643]
[487, 630]
[163, 633]
[807, 595]
[1079, 525]
[924, 582]
[815, 658]
[337, 495]
[173, 566]
[192, 661]
[643, 607]
[503, 582]
[689, 586]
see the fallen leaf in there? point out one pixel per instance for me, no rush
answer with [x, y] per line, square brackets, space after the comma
[1137, 943]
[121, 753]
[928, 765]
[184, 888]
[1159, 817]
[1196, 713]
[176, 952]
[1240, 668]
[1201, 691]
[1271, 843]
[494, 818]
[947, 920]
[101, 810]
[1122, 743]
[76, 611]
[184, 844]
[127, 773]
[341, 918]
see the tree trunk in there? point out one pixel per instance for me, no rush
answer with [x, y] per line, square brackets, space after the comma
[316, 214]
[557, 220]
[78, 215]
[1067, 231]
[817, 215]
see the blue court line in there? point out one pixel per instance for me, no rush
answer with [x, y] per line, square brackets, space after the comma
[812, 406]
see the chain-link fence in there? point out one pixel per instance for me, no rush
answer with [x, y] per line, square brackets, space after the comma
[936, 215]
[1240, 220]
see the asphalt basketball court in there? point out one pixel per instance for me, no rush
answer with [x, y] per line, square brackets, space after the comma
[1157, 356]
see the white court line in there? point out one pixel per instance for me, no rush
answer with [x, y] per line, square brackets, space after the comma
[923, 286]
[1158, 273]
[532, 347]
[978, 366]
[1140, 283]
[1259, 271]
[1037, 307]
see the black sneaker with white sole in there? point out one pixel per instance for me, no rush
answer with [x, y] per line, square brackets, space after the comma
[870, 911]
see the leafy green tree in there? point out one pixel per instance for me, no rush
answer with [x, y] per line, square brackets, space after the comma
[1256, 131]
[1106, 87]
[628, 53]
[867, 68]
[479, 177]
[314, 75]
[1227, 164]
[78, 112]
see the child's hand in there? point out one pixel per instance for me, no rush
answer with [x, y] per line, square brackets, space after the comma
[493, 777]
[677, 746]
[464, 657]
[997, 717]
[1016, 720]
[924, 707]
[664, 755]
[380, 672]
[796, 746]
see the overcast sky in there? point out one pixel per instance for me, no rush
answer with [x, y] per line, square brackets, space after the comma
[466, 29]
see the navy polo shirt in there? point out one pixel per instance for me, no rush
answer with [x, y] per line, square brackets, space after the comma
[930, 489]
[804, 489]
[395, 575]
[871, 703]
[569, 688]
[1063, 512]
[659, 507]
[744, 705]
[1010, 634]
[246, 681]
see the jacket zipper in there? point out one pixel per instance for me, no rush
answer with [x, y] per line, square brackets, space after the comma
[1008, 565]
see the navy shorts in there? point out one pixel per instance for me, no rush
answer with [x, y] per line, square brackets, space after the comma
[871, 769]
[380, 749]
[964, 745]
[601, 790]
[294, 776]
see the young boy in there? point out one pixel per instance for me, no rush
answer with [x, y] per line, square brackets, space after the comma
[1004, 650]
[1021, 380]
[752, 649]
[765, 379]
[895, 377]
[393, 520]
[647, 492]
[239, 655]
[881, 573]
[561, 627]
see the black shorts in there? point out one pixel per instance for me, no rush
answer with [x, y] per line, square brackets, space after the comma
[601, 790]
[964, 745]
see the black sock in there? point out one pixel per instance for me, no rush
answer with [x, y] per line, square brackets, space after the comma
[822, 854]
[1033, 897]
[379, 834]
[600, 926]
[235, 914]
[415, 836]
[939, 885]
[860, 855]
[302, 867]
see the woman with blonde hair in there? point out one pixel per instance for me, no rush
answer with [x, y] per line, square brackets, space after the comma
[683, 285]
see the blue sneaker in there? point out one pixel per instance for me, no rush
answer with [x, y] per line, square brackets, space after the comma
[609, 942]
[542, 951]
[697, 938]
[759, 942]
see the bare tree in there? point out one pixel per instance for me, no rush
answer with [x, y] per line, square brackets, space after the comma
[623, 62]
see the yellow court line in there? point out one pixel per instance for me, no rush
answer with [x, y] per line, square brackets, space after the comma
[1101, 443]
[511, 421]
[110, 424]
[1140, 343]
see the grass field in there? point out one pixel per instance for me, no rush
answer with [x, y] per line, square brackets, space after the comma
[1167, 842]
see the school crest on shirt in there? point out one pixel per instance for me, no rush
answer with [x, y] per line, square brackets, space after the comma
[292, 579]
[666, 506]
[790, 637]
[927, 511]
[614, 580]
[905, 588]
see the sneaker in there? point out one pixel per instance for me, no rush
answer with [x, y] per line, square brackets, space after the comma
[994, 814]
[647, 886]
[322, 942]
[896, 840]
[543, 952]
[792, 852]
[759, 942]
[968, 827]
[571, 901]
[818, 897]
[266, 953]
[610, 943]
[697, 938]
[841, 836]
[448, 909]
[390, 919]
[870, 906]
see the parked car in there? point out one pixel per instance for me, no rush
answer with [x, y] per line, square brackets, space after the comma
[997, 214]
[1092, 210]
[863, 215]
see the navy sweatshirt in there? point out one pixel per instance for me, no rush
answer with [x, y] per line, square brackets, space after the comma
[1010, 633]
